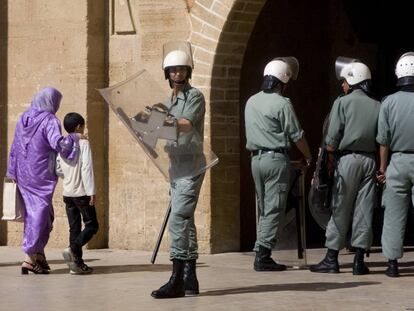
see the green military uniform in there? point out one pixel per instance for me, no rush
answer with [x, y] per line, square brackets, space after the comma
[185, 157]
[395, 130]
[352, 130]
[271, 124]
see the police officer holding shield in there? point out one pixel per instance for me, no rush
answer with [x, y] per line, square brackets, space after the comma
[351, 134]
[395, 136]
[187, 105]
[271, 125]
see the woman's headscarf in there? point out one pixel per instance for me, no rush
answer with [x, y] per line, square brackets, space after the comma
[44, 103]
[47, 99]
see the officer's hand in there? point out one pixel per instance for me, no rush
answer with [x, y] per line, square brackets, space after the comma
[142, 116]
[381, 177]
[306, 163]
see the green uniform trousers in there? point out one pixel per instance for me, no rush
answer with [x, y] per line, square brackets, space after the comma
[271, 178]
[396, 200]
[183, 234]
[353, 197]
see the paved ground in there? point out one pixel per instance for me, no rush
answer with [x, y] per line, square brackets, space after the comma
[123, 280]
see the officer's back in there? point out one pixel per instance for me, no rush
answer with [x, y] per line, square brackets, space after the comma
[357, 114]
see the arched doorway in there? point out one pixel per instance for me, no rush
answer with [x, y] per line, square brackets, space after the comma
[316, 33]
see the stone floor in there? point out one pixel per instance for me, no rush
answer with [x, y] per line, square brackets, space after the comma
[124, 279]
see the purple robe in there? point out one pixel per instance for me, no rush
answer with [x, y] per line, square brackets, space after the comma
[37, 140]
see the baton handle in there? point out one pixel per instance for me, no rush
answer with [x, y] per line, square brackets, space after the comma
[299, 232]
[161, 234]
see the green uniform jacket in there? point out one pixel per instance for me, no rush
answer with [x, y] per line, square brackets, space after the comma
[395, 123]
[353, 122]
[271, 122]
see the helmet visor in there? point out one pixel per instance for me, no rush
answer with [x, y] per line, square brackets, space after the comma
[340, 63]
[293, 64]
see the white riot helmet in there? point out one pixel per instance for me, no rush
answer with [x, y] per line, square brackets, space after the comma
[283, 68]
[352, 70]
[405, 69]
[177, 53]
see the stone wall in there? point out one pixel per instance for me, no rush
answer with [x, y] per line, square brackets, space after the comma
[3, 107]
[60, 44]
[138, 193]
[82, 45]
[218, 31]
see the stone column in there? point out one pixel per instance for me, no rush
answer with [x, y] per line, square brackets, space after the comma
[97, 112]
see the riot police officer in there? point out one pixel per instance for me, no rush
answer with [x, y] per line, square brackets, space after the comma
[187, 105]
[271, 125]
[351, 134]
[395, 136]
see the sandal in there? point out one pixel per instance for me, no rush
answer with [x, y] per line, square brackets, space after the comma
[42, 262]
[34, 268]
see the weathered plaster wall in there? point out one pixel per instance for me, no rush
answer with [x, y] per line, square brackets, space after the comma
[3, 107]
[49, 44]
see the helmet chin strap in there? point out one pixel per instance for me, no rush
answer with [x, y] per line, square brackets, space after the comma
[179, 82]
[172, 82]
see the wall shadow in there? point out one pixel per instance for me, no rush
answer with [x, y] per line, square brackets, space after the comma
[97, 111]
[3, 108]
[312, 287]
[121, 269]
[51, 262]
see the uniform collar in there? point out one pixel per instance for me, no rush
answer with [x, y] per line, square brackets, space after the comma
[182, 95]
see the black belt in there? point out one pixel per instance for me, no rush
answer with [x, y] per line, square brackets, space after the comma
[346, 152]
[262, 151]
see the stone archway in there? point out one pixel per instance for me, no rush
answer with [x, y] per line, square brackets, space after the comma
[220, 33]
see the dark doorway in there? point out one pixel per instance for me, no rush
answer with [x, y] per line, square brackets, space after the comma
[376, 32]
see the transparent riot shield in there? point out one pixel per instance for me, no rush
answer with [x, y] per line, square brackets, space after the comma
[141, 104]
[290, 248]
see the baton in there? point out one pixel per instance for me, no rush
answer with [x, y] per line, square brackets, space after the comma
[299, 232]
[298, 173]
[161, 234]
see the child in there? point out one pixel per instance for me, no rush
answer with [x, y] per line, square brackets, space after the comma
[79, 196]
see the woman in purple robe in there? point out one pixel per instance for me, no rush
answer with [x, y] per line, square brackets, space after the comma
[37, 140]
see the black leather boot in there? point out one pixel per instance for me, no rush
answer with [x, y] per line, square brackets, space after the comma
[175, 286]
[359, 267]
[329, 264]
[392, 270]
[190, 278]
[263, 261]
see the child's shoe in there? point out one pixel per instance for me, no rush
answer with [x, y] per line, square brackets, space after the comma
[81, 268]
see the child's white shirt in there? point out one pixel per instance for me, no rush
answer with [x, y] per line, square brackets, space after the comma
[78, 178]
